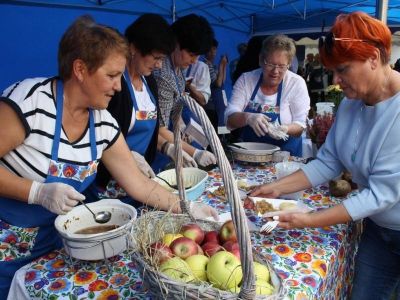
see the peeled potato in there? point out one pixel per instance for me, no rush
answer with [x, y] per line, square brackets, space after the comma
[339, 188]
[287, 205]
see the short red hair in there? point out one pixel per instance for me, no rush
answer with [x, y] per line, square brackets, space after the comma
[361, 26]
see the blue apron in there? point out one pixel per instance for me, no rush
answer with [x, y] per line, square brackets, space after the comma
[139, 137]
[292, 144]
[27, 230]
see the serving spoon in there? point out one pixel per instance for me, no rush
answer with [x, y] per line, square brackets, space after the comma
[100, 217]
[172, 186]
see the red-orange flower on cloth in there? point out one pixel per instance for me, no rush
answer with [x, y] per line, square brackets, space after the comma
[283, 250]
[84, 277]
[98, 285]
[108, 295]
[303, 257]
[119, 279]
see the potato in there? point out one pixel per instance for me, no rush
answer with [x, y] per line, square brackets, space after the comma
[339, 188]
[287, 205]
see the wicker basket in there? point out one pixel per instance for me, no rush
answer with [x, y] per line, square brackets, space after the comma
[156, 223]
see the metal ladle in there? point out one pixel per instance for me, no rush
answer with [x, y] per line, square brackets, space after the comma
[100, 217]
[172, 186]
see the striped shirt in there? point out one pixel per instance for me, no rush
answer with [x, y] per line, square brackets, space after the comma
[33, 100]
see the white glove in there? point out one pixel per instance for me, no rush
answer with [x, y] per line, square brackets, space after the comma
[204, 157]
[277, 131]
[59, 198]
[188, 161]
[259, 123]
[200, 210]
[143, 165]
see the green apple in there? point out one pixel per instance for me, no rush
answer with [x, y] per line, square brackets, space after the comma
[234, 289]
[261, 271]
[224, 270]
[264, 287]
[198, 264]
[170, 237]
[177, 269]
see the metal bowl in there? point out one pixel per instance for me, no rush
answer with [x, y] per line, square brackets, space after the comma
[253, 152]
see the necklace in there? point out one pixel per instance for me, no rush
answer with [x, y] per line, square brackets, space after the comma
[356, 142]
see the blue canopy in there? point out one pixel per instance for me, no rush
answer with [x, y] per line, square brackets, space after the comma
[31, 29]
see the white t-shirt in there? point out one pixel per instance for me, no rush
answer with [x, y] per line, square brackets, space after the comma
[295, 101]
[200, 73]
[33, 100]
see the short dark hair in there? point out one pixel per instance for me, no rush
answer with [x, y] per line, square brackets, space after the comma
[193, 33]
[151, 32]
[90, 42]
[215, 43]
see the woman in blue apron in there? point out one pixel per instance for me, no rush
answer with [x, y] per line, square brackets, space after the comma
[53, 133]
[271, 104]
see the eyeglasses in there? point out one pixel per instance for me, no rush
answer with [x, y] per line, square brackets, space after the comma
[158, 58]
[328, 41]
[270, 67]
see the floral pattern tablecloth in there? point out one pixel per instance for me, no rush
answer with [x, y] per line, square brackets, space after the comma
[313, 263]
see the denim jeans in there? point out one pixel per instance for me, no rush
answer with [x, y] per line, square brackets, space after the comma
[377, 267]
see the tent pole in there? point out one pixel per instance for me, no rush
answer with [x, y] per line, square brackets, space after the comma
[381, 11]
[173, 11]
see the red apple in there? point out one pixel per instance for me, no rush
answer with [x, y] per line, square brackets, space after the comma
[199, 250]
[160, 252]
[211, 236]
[194, 232]
[232, 247]
[227, 232]
[184, 247]
[211, 248]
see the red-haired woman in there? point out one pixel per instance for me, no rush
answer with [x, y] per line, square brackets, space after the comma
[363, 141]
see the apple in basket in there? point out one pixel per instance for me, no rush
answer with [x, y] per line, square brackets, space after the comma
[210, 248]
[264, 287]
[184, 247]
[232, 247]
[160, 252]
[261, 272]
[169, 237]
[227, 232]
[211, 236]
[194, 232]
[224, 270]
[198, 265]
[178, 269]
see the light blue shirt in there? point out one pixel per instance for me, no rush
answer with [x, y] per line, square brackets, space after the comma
[372, 134]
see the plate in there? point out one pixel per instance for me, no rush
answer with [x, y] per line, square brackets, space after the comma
[280, 206]
[218, 190]
[222, 218]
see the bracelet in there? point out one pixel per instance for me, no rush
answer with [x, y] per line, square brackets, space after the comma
[163, 146]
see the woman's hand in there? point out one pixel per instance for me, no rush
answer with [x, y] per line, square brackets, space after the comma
[204, 158]
[143, 165]
[259, 123]
[188, 161]
[201, 210]
[294, 220]
[265, 190]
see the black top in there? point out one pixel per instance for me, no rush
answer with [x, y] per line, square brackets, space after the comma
[121, 107]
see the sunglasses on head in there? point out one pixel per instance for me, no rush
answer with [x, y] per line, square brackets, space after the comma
[328, 41]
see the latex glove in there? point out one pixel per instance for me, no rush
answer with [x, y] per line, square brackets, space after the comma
[200, 210]
[277, 131]
[188, 161]
[59, 198]
[204, 157]
[259, 123]
[143, 165]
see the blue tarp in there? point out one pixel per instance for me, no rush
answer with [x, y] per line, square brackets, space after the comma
[30, 30]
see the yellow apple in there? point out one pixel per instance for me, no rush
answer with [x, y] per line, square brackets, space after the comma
[198, 264]
[169, 237]
[224, 270]
[177, 269]
[264, 287]
[261, 271]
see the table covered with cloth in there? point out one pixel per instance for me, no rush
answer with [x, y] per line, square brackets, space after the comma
[314, 263]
